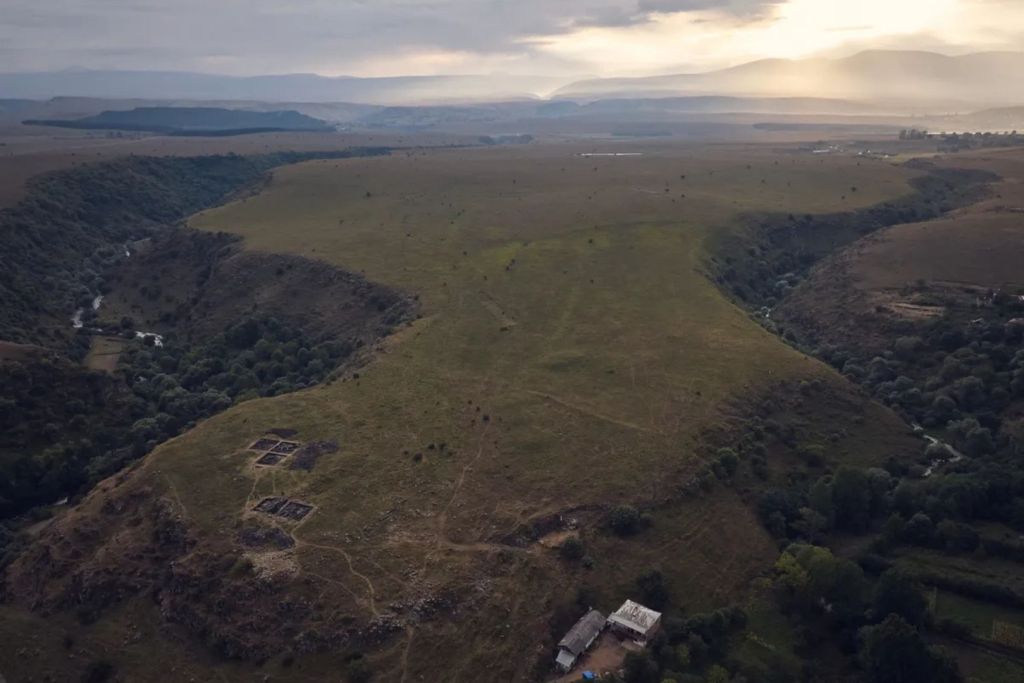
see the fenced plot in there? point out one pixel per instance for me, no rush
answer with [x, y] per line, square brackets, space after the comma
[270, 459]
[263, 444]
[273, 451]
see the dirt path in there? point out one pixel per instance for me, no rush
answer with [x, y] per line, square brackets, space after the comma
[442, 519]
[404, 662]
[371, 589]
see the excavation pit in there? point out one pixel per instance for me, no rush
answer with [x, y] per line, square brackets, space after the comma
[285, 447]
[270, 505]
[293, 510]
[264, 444]
[270, 459]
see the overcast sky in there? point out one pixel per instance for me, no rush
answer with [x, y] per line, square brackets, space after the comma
[557, 37]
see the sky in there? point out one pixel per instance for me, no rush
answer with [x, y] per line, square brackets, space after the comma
[421, 37]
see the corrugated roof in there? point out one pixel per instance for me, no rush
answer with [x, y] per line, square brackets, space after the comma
[635, 616]
[580, 635]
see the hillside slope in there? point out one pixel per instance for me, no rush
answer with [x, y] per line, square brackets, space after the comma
[572, 357]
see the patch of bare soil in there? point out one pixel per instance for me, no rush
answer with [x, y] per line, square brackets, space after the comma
[606, 656]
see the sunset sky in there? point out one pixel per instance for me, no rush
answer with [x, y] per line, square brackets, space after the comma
[556, 37]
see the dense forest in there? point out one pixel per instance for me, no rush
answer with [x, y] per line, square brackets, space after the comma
[955, 378]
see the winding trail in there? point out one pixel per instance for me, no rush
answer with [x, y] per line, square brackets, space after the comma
[591, 412]
[409, 633]
[442, 519]
[371, 590]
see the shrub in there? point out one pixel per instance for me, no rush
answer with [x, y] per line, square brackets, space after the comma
[624, 520]
[572, 549]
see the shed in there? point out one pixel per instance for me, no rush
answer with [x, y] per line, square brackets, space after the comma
[635, 620]
[580, 637]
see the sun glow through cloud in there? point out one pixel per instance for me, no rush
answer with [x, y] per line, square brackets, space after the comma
[796, 28]
[552, 38]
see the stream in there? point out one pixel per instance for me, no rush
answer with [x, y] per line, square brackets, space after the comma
[77, 323]
[953, 455]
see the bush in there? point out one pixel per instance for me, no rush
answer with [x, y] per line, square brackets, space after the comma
[653, 591]
[572, 549]
[624, 520]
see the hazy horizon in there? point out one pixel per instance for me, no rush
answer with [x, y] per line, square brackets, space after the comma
[575, 39]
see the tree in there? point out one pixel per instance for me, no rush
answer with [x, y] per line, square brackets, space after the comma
[638, 667]
[729, 461]
[919, 530]
[851, 494]
[897, 593]
[653, 590]
[624, 520]
[717, 674]
[815, 578]
[820, 498]
[894, 652]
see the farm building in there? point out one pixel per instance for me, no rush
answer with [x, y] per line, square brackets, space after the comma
[580, 637]
[635, 621]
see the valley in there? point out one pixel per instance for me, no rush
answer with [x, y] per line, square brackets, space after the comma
[566, 349]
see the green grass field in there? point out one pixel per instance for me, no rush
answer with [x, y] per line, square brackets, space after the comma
[570, 354]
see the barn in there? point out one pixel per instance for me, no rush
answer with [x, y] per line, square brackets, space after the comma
[580, 637]
[635, 621]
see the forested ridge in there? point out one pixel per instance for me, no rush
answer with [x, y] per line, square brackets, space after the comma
[62, 426]
[74, 224]
[942, 521]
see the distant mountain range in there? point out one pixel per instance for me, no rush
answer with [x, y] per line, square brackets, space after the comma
[879, 76]
[191, 120]
[172, 85]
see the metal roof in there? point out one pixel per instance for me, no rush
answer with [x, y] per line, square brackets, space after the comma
[583, 632]
[635, 616]
[565, 659]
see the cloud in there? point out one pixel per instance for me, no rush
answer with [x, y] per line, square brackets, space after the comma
[376, 37]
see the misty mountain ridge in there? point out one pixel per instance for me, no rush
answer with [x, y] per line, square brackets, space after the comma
[881, 79]
[984, 79]
[191, 120]
[164, 85]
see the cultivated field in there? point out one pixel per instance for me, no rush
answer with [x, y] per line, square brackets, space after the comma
[570, 356]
